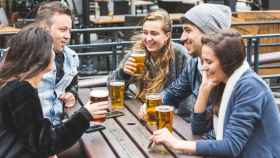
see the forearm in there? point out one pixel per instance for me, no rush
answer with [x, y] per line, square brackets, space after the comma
[188, 147]
[202, 100]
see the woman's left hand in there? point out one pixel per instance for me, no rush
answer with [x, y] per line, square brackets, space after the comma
[165, 137]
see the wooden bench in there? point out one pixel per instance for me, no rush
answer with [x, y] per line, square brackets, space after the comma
[269, 63]
[93, 82]
[259, 22]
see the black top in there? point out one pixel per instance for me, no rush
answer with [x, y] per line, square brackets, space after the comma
[59, 60]
[59, 64]
[23, 130]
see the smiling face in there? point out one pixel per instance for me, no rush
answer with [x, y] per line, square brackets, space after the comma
[191, 39]
[60, 30]
[153, 36]
[212, 65]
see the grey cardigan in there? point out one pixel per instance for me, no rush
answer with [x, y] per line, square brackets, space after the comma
[176, 66]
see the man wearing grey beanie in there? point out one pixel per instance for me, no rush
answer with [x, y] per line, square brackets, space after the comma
[199, 20]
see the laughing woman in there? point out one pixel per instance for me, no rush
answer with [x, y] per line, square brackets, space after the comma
[245, 118]
[24, 133]
[164, 59]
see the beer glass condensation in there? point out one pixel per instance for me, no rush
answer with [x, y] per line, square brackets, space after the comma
[164, 117]
[116, 93]
[152, 101]
[139, 57]
[98, 95]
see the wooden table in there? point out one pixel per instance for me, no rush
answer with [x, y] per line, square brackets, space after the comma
[5, 32]
[8, 29]
[127, 137]
[116, 19]
[120, 19]
[194, 2]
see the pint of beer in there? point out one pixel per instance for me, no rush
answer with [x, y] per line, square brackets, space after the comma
[164, 117]
[152, 101]
[139, 57]
[98, 95]
[116, 93]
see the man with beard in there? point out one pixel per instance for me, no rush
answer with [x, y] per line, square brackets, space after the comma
[199, 20]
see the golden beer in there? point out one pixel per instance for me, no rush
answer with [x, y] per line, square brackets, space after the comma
[164, 117]
[116, 92]
[98, 95]
[139, 57]
[152, 101]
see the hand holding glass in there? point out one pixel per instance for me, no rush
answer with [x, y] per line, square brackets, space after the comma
[96, 96]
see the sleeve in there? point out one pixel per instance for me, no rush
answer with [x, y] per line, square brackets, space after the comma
[200, 123]
[178, 89]
[73, 87]
[245, 110]
[37, 133]
[119, 74]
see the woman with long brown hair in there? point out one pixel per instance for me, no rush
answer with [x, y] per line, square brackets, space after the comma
[164, 59]
[24, 130]
[245, 118]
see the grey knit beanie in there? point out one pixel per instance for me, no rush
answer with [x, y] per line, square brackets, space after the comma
[210, 18]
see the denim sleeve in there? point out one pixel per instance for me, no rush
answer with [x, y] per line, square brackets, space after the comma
[178, 89]
[246, 105]
[199, 123]
[119, 74]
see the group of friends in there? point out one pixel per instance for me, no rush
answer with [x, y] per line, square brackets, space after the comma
[207, 79]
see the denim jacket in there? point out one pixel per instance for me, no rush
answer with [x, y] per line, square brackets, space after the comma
[184, 90]
[252, 123]
[49, 91]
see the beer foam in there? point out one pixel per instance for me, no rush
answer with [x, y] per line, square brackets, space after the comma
[99, 93]
[138, 55]
[164, 108]
[117, 83]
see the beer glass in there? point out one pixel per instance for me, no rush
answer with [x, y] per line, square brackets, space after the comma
[164, 117]
[139, 57]
[116, 93]
[98, 95]
[152, 101]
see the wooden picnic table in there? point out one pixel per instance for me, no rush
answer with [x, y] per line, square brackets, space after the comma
[120, 19]
[8, 30]
[127, 137]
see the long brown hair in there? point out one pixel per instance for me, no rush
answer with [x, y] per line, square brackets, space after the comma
[154, 82]
[229, 48]
[29, 53]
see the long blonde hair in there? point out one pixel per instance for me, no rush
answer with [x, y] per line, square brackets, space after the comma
[150, 81]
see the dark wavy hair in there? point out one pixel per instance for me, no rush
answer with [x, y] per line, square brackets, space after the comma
[228, 47]
[29, 53]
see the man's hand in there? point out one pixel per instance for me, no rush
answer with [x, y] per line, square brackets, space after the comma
[68, 99]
